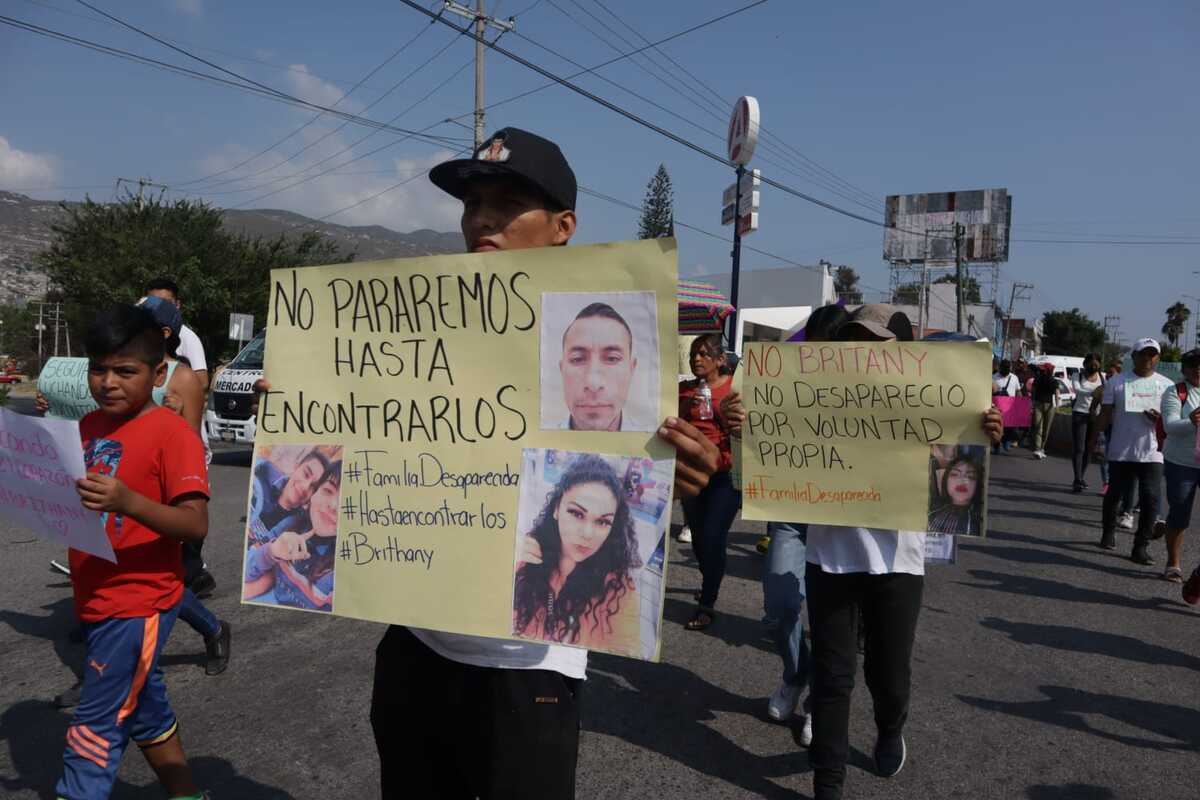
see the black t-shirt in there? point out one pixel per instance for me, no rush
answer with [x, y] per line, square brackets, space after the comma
[1045, 387]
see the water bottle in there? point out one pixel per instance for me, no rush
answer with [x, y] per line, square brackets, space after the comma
[704, 405]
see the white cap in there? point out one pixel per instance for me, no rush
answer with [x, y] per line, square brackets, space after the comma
[1142, 344]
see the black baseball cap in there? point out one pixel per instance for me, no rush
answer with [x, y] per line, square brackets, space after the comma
[512, 152]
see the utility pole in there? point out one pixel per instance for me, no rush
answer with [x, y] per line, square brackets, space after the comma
[142, 183]
[41, 326]
[482, 22]
[1019, 292]
[959, 295]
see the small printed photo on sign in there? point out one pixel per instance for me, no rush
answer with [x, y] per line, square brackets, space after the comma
[591, 543]
[599, 361]
[958, 489]
[291, 526]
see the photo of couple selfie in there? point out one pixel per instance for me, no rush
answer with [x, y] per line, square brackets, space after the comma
[291, 528]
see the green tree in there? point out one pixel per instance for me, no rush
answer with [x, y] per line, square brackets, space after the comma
[18, 338]
[845, 283]
[1171, 354]
[104, 254]
[907, 294]
[1070, 333]
[1176, 324]
[658, 208]
[1112, 351]
[971, 292]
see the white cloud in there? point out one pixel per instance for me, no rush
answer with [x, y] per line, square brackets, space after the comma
[413, 205]
[308, 86]
[191, 8]
[19, 168]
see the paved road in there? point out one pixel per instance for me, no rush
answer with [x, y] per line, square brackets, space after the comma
[1044, 668]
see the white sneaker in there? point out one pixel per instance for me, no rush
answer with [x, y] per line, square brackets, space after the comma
[783, 703]
[685, 535]
[806, 732]
[1125, 523]
[1039, 454]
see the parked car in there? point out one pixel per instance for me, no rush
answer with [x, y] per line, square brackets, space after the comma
[1065, 396]
[229, 417]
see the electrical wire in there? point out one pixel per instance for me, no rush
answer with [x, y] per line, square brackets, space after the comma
[185, 71]
[766, 137]
[339, 128]
[354, 144]
[196, 46]
[318, 115]
[393, 187]
[770, 152]
[646, 123]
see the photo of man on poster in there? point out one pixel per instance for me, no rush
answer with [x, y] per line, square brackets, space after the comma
[592, 375]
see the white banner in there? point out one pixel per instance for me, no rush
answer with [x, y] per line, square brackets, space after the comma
[40, 460]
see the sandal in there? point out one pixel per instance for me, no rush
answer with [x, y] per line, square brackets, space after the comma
[701, 620]
[1173, 574]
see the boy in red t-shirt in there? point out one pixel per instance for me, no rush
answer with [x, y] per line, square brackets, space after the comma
[146, 474]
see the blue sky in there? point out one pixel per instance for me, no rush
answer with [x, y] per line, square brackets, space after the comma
[1086, 112]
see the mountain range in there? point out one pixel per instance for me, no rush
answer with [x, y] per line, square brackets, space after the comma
[25, 230]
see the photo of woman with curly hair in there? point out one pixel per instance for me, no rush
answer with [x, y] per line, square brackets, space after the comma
[578, 563]
[957, 491]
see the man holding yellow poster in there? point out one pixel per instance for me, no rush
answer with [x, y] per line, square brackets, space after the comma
[434, 401]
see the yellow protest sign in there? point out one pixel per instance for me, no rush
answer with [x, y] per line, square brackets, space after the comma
[871, 434]
[467, 443]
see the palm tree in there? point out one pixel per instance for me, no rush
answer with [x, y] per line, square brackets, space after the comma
[1177, 317]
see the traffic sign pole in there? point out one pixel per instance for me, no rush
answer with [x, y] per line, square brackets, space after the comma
[731, 334]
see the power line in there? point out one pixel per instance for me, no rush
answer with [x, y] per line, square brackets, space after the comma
[707, 106]
[1102, 241]
[329, 133]
[195, 45]
[319, 114]
[766, 137]
[646, 123]
[354, 144]
[280, 97]
[501, 102]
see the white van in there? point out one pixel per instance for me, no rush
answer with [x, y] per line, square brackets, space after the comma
[229, 417]
[1066, 369]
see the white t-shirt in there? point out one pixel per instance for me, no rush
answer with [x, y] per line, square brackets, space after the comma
[1083, 394]
[1133, 434]
[479, 651]
[1005, 384]
[191, 349]
[840, 550]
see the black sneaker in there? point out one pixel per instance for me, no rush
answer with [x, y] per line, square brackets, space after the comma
[889, 755]
[1158, 531]
[1109, 541]
[217, 647]
[1141, 555]
[203, 585]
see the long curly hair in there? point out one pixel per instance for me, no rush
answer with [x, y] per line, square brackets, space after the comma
[594, 589]
[945, 514]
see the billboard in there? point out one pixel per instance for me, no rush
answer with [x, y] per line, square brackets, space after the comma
[920, 227]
